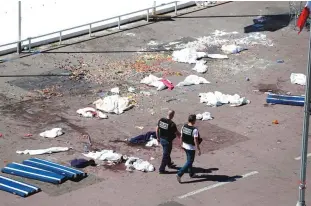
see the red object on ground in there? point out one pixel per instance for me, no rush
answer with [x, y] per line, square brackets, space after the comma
[303, 17]
[28, 135]
[168, 84]
[1, 135]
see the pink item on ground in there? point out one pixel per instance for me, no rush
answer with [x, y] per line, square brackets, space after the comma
[168, 84]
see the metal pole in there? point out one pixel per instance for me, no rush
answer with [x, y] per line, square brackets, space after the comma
[19, 44]
[154, 8]
[90, 30]
[176, 8]
[60, 38]
[147, 15]
[119, 22]
[305, 133]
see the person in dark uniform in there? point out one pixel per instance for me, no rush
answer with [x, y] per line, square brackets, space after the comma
[190, 142]
[166, 132]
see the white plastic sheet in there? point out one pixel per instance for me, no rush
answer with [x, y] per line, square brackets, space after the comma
[192, 80]
[105, 155]
[139, 164]
[297, 78]
[154, 81]
[187, 55]
[115, 90]
[232, 49]
[217, 99]
[55, 132]
[44, 151]
[113, 104]
[152, 142]
[89, 112]
[200, 66]
[217, 56]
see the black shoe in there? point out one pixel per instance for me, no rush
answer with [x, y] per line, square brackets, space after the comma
[163, 172]
[171, 165]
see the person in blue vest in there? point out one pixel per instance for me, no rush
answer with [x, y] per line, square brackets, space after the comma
[166, 132]
[190, 143]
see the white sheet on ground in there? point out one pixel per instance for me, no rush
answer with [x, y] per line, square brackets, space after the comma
[113, 104]
[191, 80]
[217, 56]
[154, 81]
[139, 164]
[297, 78]
[206, 116]
[89, 112]
[152, 142]
[232, 49]
[105, 155]
[131, 89]
[217, 99]
[115, 90]
[200, 66]
[187, 55]
[44, 151]
[55, 132]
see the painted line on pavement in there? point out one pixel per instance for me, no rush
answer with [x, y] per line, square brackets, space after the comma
[214, 186]
[299, 158]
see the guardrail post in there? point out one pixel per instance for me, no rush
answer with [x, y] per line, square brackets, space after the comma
[147, 15]
[119, 22]
[60, 38]
[176, 8]
[90, 30]
[19, 44]
[29, 44]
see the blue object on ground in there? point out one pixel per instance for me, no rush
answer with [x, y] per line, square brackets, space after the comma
[144, 138]
[280, 61]
[16, 187]
[68, 172]
[81, 163]
[286, 99]
[33, 173]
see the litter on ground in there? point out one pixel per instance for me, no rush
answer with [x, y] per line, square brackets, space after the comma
[44, 151]
[217, 56]
[154, 81]
[113, 104]
[192, 80]
[297, 78]
[232, 49]
[187, 55]
[105, 155]
[200, 66]
[91, 112]
[217, 99]
[204, 116]
[138, 164]
[145, 93]
[55, 132]
[131, 89]
[143, 138]
[152, 142]
[115, 90]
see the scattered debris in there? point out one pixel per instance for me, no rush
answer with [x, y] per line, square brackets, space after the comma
[188, 55]
[217, 56]
[28, 135]
[192, 80]
[113, 104]
[130, 34]
[105, 155]
[145, 93]
[278, 141]
[154, 81]
[1, 135]
[139, 127]
[280, 61]
[152, 142]
[44, 151]
[200, 66]
[173, 99]
[168, 84]
[91, 112]
[217, 99]
[82, 163]
[297, 78]
[275, 122]
[152, 158]
[131, 89]
[232, 49]
[55, 132]
[143, 138]
[115, 90]
[138, 164]
[204, 116]
[152, 43]
[247, 79]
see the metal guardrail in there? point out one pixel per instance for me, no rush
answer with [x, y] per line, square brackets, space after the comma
[29, 39]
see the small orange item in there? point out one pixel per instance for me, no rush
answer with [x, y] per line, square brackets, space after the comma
[275, 122]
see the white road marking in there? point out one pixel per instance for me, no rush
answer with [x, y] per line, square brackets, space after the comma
[213, 186]
[299, 158]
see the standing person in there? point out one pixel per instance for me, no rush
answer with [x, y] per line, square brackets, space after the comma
[166, 132]
[190, 142]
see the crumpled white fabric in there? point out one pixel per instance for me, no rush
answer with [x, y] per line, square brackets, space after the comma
[139, 164]
[217, 56]
[113, 104]
[152, 80]
[232, 49]
[44, 151]
[152, 142]
[297, 78]
[187, 55]
[205, 116]
[89, 112]
[217, 99]
[191, 80]
[105, 155]
[115, 90]
[200, 66]
[55, 132]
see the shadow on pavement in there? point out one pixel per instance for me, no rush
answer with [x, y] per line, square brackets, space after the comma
[195, 170]
[270, 23]
[214, 178]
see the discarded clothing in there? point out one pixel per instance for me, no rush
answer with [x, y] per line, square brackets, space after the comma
[113, 104]
[205, 116]
[232, 49]
[138, 164]
[105, 155]
[191, 80]
[200, 66]
[154, 81]
[55, 132]
[82, 163]
[144, 138]
[217, 56]
[44, 151]
[152, 142]
[115, 90]
[218, 99]
[91, 112]
[187, 55]
[297, 78]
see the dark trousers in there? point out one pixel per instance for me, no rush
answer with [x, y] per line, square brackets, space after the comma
[167, 149]
[188, 165]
